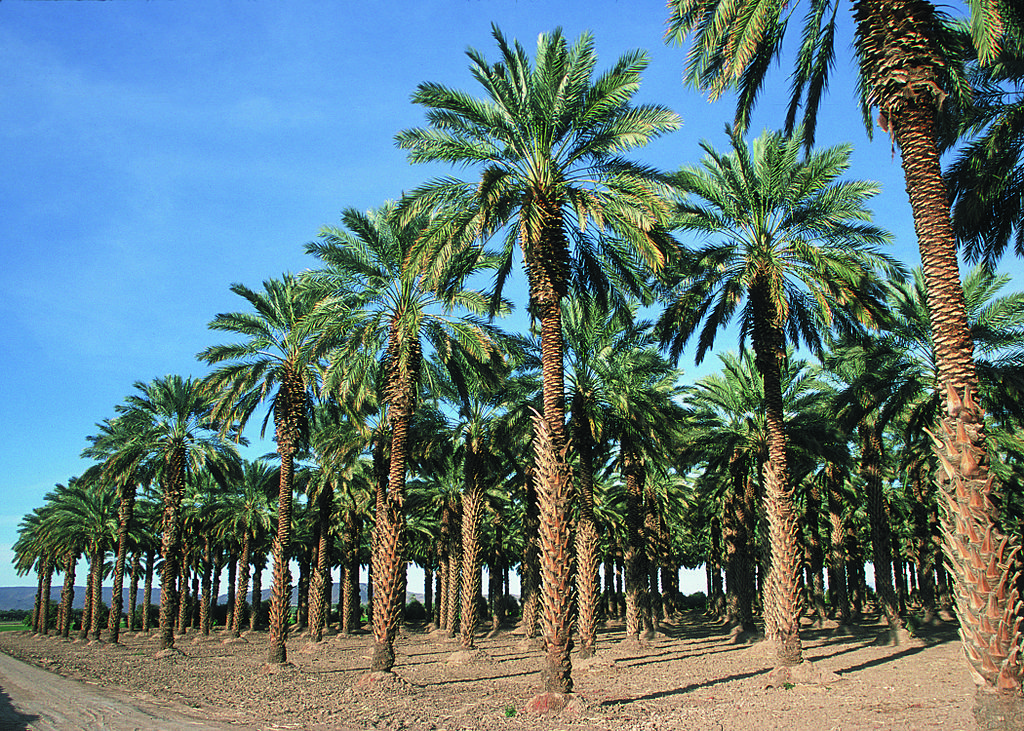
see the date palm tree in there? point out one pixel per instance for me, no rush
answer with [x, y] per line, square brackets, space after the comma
[127, 467]
[792, 250]
[243, 514]
[275, 361]
[374, 298]
[548, 140]
[908, 55]
[173, 433]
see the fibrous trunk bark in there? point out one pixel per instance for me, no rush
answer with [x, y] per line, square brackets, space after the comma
[782, 589]
[170, 549]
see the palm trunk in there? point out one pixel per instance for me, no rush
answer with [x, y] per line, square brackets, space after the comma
[530, 567]
[815, 554]
[350, 580]
[281, 590]
[67, 595]
[256, 614]
[389, 536]
[985, 561]
[472, 509]
[133, 591]
[635, 569]
[96, 580]
[586, 534]
[47, 581]
[126, 498]
[553, 491]
[881, 541]
[782, 592]
[319, 602]
[183, 594]
[83, 631]
[174, 490]
[147, 598]
[836, 551]
[242, 573]
[207, 586]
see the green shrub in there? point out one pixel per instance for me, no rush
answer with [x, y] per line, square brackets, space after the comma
[414, 611]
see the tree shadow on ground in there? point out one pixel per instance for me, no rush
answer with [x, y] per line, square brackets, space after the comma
[10, 717]
[685, 689]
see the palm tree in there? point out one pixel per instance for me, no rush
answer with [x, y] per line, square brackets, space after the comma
[375, 299]
[908, 55]
[892, 377]
[35, 549]
[126, 466]
[604, 359]
[275, 361]
[548, 140]
[85, 513]
[242, 515]
[173, 432]
[793, 251]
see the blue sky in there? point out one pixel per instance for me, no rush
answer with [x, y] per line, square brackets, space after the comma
[155, 152]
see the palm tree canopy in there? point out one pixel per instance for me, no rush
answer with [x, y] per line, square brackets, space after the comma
[548, 140]
[373, 298]
[274, 361]
[787, 236]
[734, 44]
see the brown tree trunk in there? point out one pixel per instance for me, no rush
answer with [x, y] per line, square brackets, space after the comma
[782, 589]
[174, 490]
[147, 592]
[281, 590]
[67, 595]
[556, 560]
[635, 556]
[126, 507]
[587, 541]
[905, 72]
[531, 559]
[389, 534]
[319, 602]
[881, 542]
[133, 591]
[472, 508]
[836, 548]
[207, 586]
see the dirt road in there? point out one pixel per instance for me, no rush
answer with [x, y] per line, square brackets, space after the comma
[31, 698]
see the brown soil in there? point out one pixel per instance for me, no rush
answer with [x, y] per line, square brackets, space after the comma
[688, 677]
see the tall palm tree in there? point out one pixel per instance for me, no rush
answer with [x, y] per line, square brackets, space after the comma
[274, 361]
[908, 55]
[374, 298]
[793, 250]
[548, 140]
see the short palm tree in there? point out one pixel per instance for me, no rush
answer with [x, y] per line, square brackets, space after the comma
[274, 361]
[793, 251]
[127, 467]
[242, 514]
[374, 298]
[548, 140]
[173, 432]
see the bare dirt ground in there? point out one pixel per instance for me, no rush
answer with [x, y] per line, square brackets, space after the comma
[688, 677]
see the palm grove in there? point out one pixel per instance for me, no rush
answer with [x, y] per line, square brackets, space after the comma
[876, 416]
